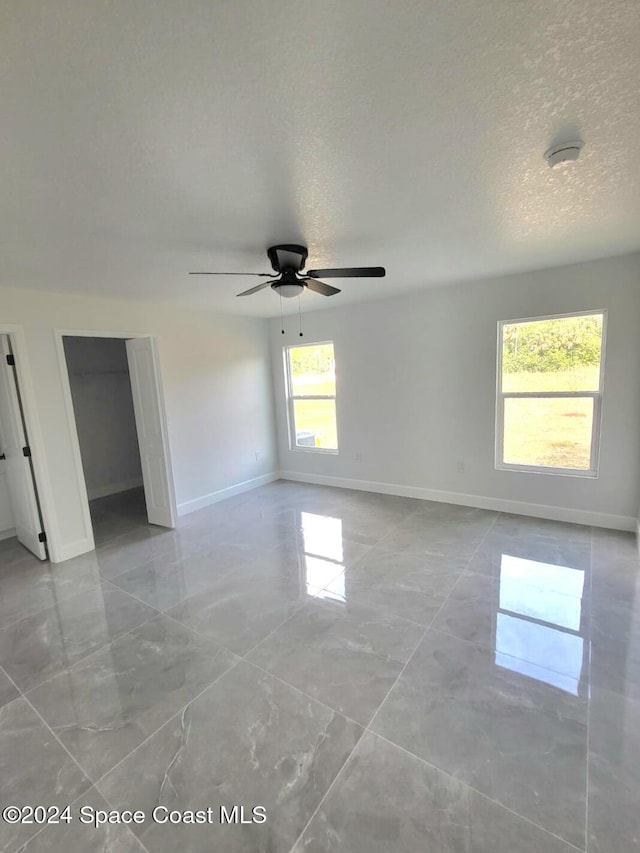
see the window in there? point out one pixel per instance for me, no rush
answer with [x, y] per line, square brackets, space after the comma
[549, 393]
[311, 396]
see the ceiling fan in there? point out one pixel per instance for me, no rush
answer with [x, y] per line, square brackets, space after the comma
[288, 261]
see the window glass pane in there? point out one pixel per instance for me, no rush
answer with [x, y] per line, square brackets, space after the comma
[312, 370]
[315, 423]
[548, 431]
[562, 354]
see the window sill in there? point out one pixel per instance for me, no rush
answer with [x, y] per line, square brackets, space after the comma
[321, 450]
[539, 469]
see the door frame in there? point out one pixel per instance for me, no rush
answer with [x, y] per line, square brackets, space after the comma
[59, 335]
[36, 441]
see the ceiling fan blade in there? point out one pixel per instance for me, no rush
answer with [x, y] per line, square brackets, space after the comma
[321, 287]
[255, 289]
[262, 274]
[349, 272]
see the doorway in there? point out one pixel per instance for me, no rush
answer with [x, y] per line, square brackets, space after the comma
[115, 395]
[20, 509]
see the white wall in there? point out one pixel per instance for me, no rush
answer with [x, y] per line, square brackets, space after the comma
[103, 407]
[6, 513]
[217, 385]
[417, 385]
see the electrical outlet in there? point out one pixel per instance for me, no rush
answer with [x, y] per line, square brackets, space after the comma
[460, 467]
[358, 457]
[258, 455]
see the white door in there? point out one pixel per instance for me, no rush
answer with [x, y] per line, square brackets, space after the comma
[148, 405]
[20, 483]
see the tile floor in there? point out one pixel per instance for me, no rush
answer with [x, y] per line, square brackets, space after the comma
[383, 675]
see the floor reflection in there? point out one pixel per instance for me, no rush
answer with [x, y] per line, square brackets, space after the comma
[540, 622]
[323, 556]
[539, 609]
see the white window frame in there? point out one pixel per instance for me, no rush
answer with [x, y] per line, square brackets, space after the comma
[501, 396]
[291, 419]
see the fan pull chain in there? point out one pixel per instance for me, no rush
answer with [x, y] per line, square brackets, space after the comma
[281, 317]
[300, 316]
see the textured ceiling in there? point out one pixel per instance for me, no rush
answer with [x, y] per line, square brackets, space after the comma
[144, 139]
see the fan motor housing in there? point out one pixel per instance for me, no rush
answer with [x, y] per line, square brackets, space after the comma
[287, 257]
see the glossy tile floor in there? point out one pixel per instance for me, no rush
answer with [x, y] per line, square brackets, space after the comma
[382, 675]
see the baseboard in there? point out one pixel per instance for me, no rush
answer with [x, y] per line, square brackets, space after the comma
[553, 513]
[114, 488]
[7, 534]
[206, 500]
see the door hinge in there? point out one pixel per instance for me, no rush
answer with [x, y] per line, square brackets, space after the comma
[11, 360]
[26, 451]
[42, 537]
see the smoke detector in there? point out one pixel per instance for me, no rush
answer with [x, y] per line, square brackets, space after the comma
[564, 153]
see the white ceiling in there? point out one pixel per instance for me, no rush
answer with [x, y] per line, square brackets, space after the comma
[144, 139]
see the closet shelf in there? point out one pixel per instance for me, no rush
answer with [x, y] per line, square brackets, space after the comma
[99, 373]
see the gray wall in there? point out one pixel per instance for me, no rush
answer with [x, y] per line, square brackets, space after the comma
[416, 391]
[103, 406]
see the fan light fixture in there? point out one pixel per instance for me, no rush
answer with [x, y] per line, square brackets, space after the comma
[288, 290]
